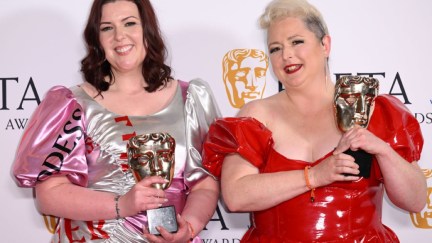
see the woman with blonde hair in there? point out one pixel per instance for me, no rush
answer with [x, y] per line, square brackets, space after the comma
[282, 158]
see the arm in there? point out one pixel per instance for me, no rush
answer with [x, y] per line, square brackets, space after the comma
[395, 138]
[244, 189]
[400, 176]
[201, 110]
[201, 203]
[59, 197]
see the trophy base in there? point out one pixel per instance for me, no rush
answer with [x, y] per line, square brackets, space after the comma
[164, 217]
[363, 159]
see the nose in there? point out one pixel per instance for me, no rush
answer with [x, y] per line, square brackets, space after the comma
[287, 53]
[119, 34]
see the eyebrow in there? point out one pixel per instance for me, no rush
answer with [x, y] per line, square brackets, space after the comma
[124, 19]
[289, 38]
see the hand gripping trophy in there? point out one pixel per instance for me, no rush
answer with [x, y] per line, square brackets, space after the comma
[153, 155]
[353, 101]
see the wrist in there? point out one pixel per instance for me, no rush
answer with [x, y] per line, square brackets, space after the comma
[117, 206]
[311, 175]
[309, 185]
[191, 231]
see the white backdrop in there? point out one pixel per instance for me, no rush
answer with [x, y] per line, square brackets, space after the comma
[41, 46]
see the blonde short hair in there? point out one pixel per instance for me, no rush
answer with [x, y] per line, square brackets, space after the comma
[280, 9]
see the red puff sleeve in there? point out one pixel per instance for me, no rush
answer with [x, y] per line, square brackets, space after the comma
[245, 136]
[393, 122]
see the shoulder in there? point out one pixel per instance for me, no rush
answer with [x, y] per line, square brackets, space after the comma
[262, 109]
[198, 83]
[59, 98]
[200, 91]
[390, 116]
[199, 97]
[58, 89]
[390, 106]
[88, 88]
[394, 123]
[58, 92]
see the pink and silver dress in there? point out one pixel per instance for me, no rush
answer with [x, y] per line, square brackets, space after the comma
[71, 134]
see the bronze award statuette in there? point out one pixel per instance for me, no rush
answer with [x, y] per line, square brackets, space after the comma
[353, 99]
[153, 155]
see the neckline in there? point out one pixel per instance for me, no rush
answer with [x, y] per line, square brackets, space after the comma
[171, 103]
[303, 161]
[281, 155]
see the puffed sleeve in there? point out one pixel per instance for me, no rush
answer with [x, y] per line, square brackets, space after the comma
[394, 123]
[53, 141]
[244, 135]
[200, 111]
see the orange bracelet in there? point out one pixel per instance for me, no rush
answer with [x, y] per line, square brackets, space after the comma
[308, 185]
[191, 230]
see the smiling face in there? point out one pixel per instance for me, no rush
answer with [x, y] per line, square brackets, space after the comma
[121, 36]
[296, 53]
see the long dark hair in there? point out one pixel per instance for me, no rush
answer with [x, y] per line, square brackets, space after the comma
[95, 67]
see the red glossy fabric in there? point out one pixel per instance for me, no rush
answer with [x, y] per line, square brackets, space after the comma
[343, 211]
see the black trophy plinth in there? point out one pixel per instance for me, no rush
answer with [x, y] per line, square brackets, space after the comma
[363, 159]
[164, 217]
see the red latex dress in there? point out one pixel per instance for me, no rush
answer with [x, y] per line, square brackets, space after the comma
[342, 211]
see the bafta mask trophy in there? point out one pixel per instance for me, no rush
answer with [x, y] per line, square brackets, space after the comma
[353, 99]
[153, 155]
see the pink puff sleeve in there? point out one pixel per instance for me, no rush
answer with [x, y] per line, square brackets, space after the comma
[53, 142]
[245, 136]
[394, 123]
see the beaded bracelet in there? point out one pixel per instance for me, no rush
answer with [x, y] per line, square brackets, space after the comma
[117, 209]
[308, 184]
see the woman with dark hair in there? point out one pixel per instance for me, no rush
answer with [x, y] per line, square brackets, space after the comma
[74, 149]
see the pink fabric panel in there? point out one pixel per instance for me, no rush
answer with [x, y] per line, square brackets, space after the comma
[53, 142]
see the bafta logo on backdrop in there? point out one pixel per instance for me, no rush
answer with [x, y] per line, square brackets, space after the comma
[423, 219]
[51, 223]
[244, 75]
